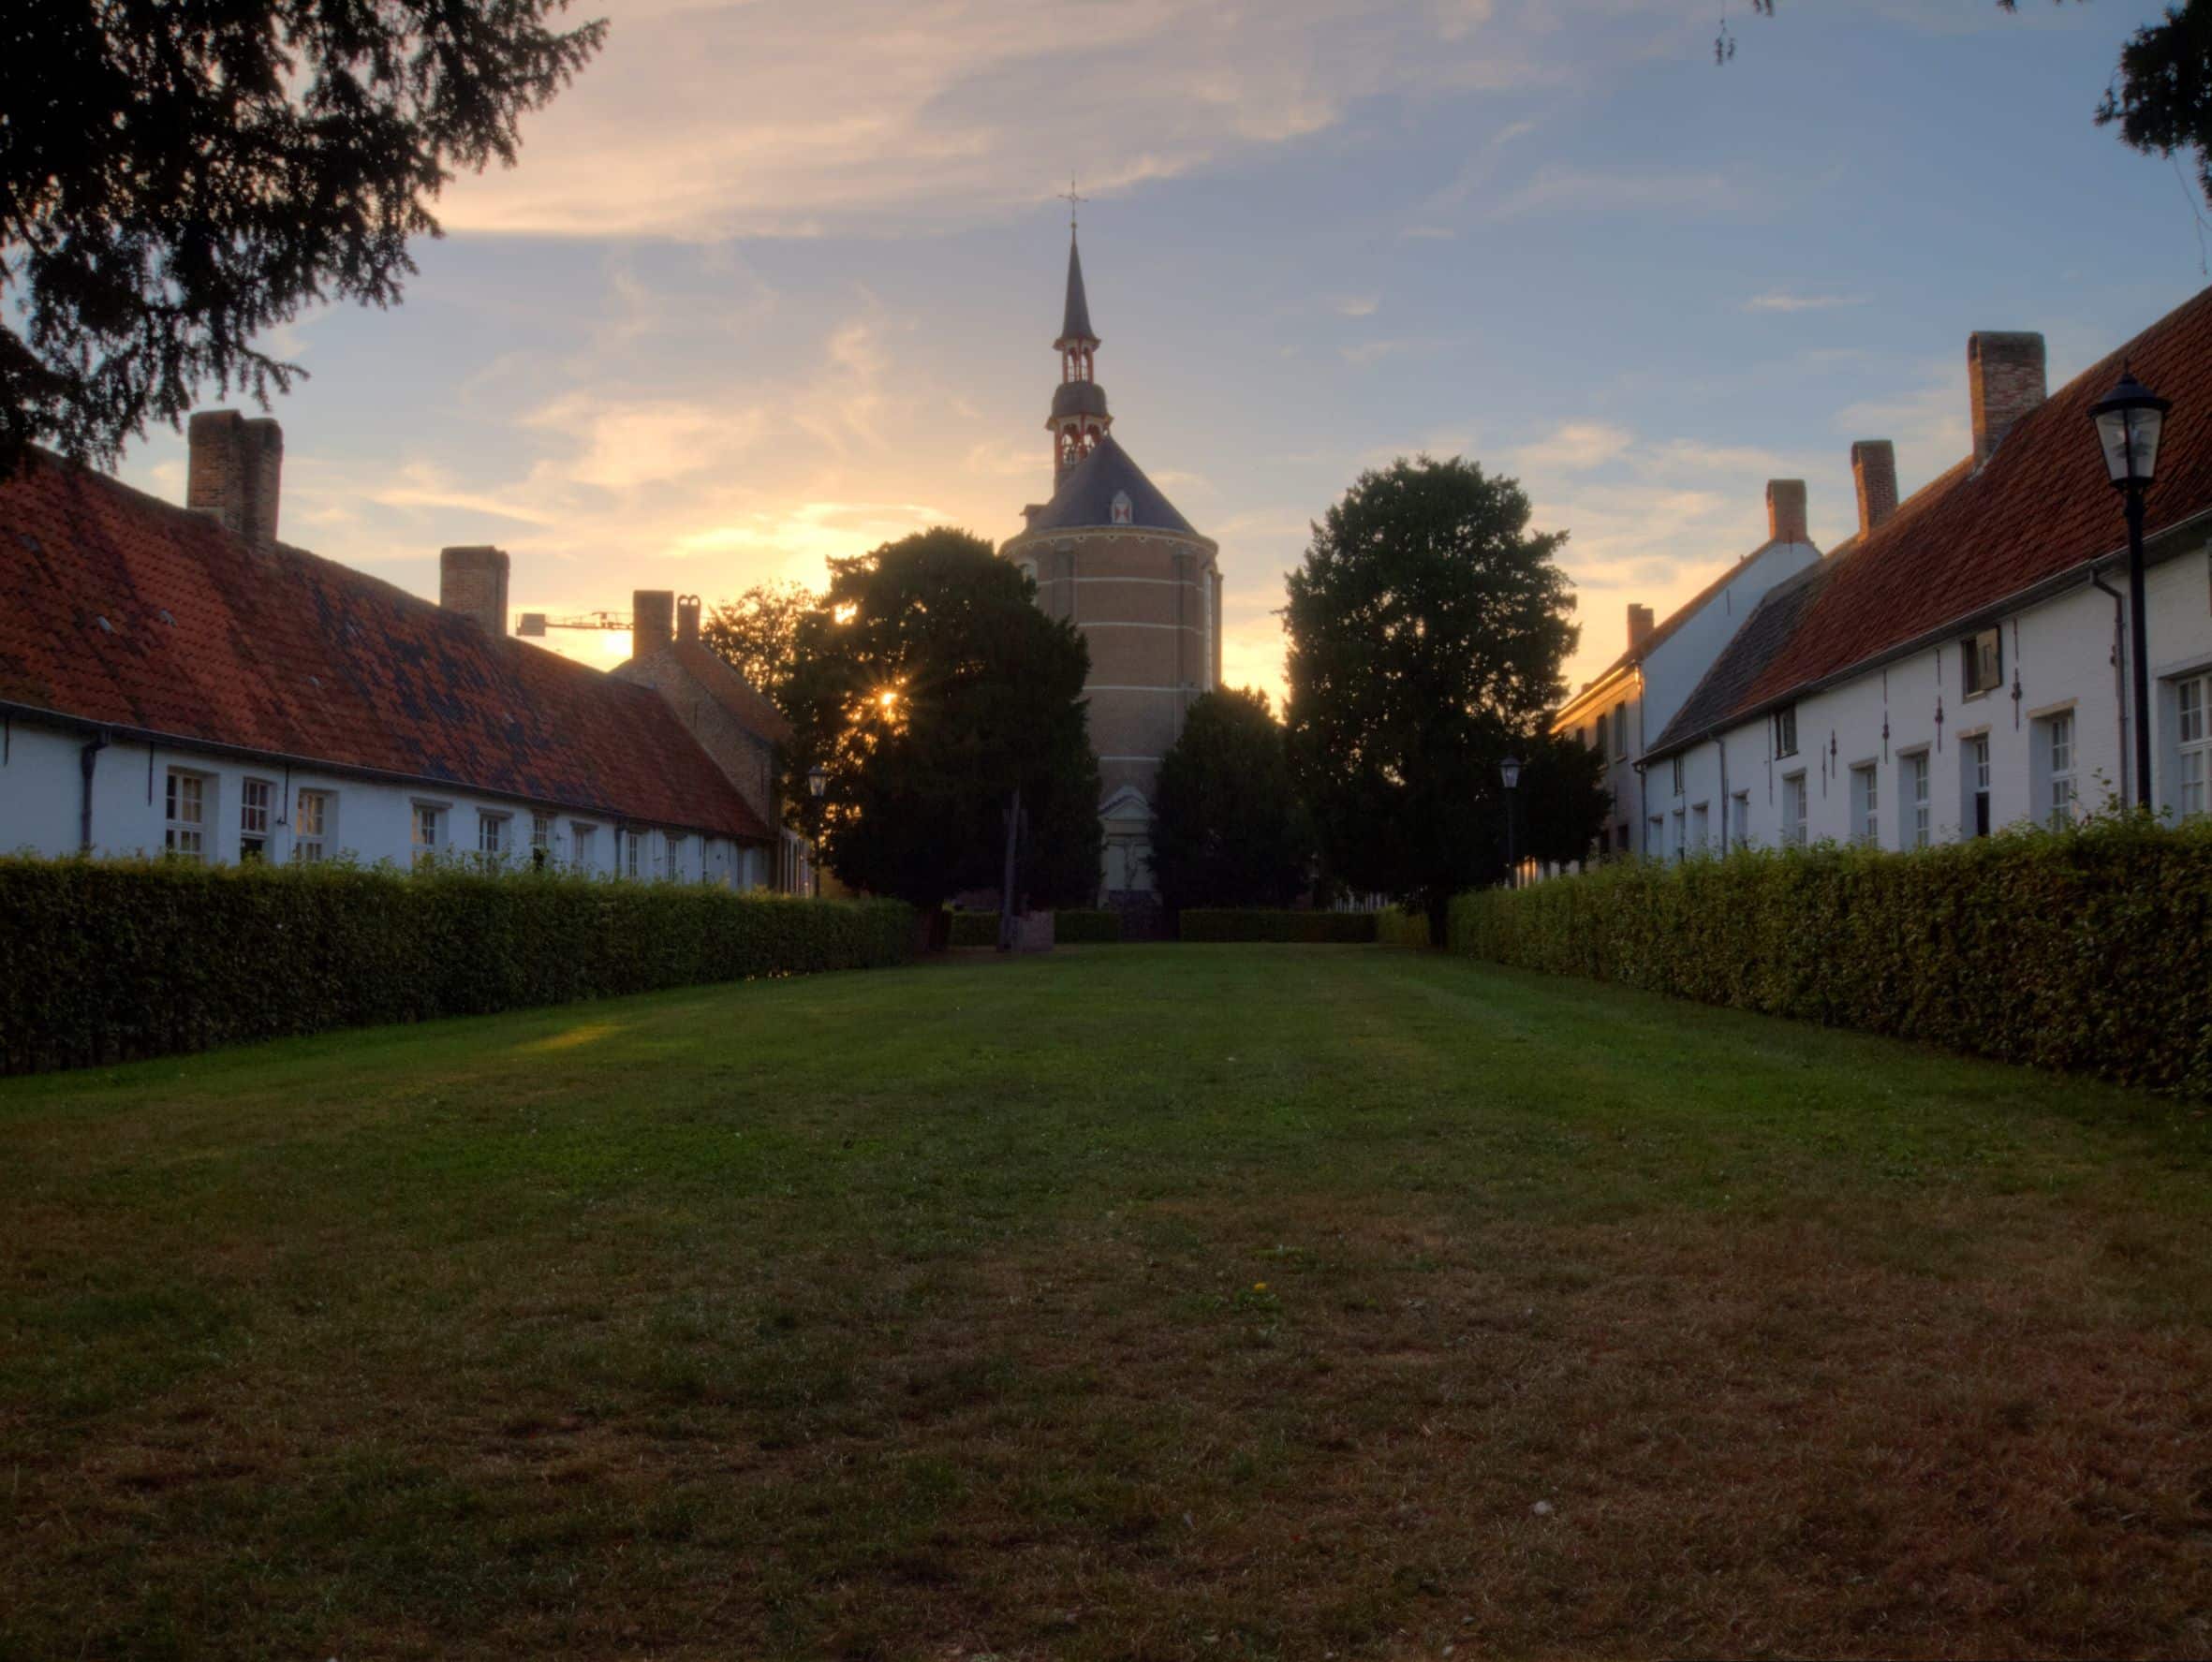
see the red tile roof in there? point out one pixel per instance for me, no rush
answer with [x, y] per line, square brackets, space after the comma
[289, 655]
[2039, 507]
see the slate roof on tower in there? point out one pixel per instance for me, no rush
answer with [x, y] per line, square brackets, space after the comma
[1086, 495]
[1076, 322]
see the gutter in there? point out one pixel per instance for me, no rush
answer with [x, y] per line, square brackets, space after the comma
[88, 759]
[2082, 573]
[106, 733]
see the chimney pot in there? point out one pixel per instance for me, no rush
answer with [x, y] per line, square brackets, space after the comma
[687, 617]
[1785, 512]
[653, 619]
[1874, 477]
[235, 473]
[1640, 623]
[473, 582]
[2004, 382]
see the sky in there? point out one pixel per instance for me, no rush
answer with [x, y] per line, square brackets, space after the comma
[776, 283]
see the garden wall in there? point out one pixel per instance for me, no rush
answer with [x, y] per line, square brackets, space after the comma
[2088, 950]
[103, 960]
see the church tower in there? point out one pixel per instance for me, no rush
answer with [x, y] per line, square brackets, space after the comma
[1111, 554]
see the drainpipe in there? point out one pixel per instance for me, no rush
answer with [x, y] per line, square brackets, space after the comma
[1727, 802]
[2119, 669]
[88, 759]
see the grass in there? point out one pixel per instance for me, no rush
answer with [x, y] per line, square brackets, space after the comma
[1132, 1302]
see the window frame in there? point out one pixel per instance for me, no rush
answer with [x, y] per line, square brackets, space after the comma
[2058, 740]
[495, 838]
[1977, 776]
[1785, 731]
[1972, 657]
[2196, 752]
[309, 845]
[1796, 810]
[175, 825]
[253, 841]
[427, 832]
[1916, 796]
[1865, 784]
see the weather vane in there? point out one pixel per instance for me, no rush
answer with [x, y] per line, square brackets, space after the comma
[1071, 199]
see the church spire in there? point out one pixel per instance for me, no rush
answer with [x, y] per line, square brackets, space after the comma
[1079, 420]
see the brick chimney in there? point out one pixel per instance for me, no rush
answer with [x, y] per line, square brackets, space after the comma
[1785, 512]
[1873, 476]
[2004, 381]
[1639, 622]
[687, 617]
[236, 473]
[473, 582]
[653, 619]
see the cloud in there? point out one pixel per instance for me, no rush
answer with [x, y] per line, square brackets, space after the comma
[1780, 299]
[1559, 187]
[1355, 305]
[707, 121]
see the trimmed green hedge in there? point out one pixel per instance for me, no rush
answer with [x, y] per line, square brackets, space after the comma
[1072, 927]
[103, 960]
[1254, 923]
[2088, 950]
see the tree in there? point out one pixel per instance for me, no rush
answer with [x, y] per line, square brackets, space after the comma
[1428, 627]
[758, 633]
[1228, 829]
[929, 689]
[1565, 801]
[177, 176]
[2160, 92]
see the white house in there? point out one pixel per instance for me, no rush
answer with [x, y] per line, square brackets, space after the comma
[1961, 664]
[1632, 701]
[175, 680]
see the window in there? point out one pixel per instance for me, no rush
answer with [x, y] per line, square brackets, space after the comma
[1701, 827]
[2193, 704]
[427, 822]
[2054, 744]
[183, 832]
[1620, 731]
[1620, 837]
[582, 852]
[491, 839]
[1739, 808]
[1678, 775]
[673, 846]
[1122, 507]
[1912, 815]
[1866, 807]
[311, 827]
[541, 835]
[1785, 730]
[1794, 811]
[633, 852]
[1985, 657]
[1974, 766]
[253, 819]
[1681, 834]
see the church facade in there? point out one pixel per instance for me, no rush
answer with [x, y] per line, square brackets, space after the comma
[1113, 556]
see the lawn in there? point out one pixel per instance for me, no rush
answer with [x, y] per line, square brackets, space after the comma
[1135, 1302]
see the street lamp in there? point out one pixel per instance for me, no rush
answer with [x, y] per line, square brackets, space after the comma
[2129, 419]
[1510, 770]
[817, 781]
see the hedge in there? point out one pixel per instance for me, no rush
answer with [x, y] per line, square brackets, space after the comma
[1397, 927]
[1253, 923]
[1072, 927]
[103, 960]
[2089, 950]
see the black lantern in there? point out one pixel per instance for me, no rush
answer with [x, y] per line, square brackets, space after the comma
[1509, 771]
[2130, 420]
[817, 781]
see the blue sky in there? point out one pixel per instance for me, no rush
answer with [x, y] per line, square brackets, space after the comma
[777, 282]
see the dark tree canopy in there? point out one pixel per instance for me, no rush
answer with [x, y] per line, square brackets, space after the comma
[758, 633]
[178, 176]
[1427, 628]
[1564, 799]
[930, 687]
[2160, 92]
[1228, 829]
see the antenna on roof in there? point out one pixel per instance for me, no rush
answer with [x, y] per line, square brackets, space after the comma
[1071, 199]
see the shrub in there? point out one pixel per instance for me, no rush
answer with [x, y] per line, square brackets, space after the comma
[1397, 927]
[103, 960]
[1071, 927]
[2089, 950]
[1226, 923]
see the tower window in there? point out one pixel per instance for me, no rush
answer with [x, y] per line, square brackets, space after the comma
[1123, 509]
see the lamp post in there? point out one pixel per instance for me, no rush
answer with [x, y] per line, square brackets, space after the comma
[817, 781]
[2129, 419]
[1510, 772]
